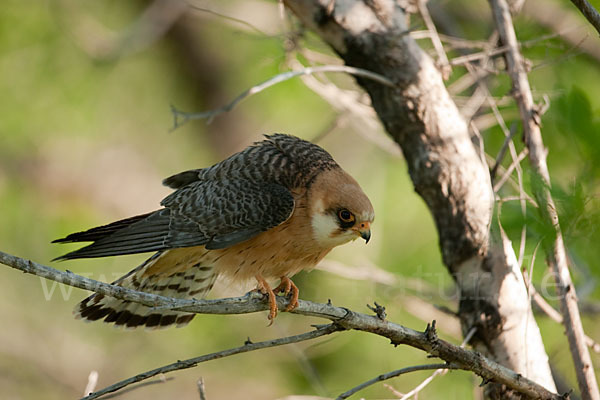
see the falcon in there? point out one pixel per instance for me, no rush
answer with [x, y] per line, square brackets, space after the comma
[265, 213]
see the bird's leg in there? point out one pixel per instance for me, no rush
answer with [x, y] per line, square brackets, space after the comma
[284, 286]
[264, 288]
[288, 286]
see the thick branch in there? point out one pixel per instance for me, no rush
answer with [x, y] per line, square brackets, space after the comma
[343, 318]
[537, 156]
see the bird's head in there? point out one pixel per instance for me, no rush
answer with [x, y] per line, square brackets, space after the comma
[340, 210]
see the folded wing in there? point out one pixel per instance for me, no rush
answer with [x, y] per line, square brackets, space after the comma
[216, 214]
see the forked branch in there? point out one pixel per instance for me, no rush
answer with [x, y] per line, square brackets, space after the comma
[181, 117]
[393, 374]
[192, 362]
[342, 318]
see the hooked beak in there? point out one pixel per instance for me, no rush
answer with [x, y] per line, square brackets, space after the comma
[364, 230]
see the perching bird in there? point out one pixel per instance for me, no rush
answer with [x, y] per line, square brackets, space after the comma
[269, 211]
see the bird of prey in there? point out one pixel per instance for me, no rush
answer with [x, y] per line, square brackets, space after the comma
[267, 212]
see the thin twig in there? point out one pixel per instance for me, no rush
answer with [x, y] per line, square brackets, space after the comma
[354, 105]
[517, 198]
[201, 389]
[528, 284]
[192, 362]
[522, 245]
[487, 53]
[556, 254]
[181, 117]
[343, 318]
[423, 384]
[228, 17]
[508, 139]
[161, 379]
[512, 182]
[508, 134]
[570, 53]
[481, 93]
[502, 152]
[509, 171]
[441, 371]
[590, 13]
[468, 58]
[454, 42]
[394, 374]
[467, 80]
[92, 382]
[554, 315]
[393, 390]
[443, 63]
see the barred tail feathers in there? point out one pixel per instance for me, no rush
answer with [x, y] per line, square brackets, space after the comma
[192, 280]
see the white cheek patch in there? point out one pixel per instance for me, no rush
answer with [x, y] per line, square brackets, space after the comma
[326, 231]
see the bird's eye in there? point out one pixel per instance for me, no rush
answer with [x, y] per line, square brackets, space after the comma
[346, 217]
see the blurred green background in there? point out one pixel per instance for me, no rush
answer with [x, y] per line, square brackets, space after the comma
[85, 139]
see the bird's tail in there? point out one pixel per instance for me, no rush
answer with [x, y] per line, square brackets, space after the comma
[185, 281]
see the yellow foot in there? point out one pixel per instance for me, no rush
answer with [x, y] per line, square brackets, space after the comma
[286, 286]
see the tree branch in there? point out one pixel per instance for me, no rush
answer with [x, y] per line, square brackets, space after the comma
[209, 115]
[556, 316]
[393, 374]
[343, 318]
[589, 12]
[557, 257]
[160, 380]
[437, 372]
[443, 62]
[192, 362]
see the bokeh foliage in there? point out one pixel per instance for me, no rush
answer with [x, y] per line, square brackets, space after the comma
[84, 141]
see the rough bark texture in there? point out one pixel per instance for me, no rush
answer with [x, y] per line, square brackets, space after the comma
[342, 318]
[446, 169]
[556, 255]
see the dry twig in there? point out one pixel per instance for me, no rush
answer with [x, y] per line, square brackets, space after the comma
[201, 389]
[502, 152]
[437, 372]
[353, 104]
[394, 374]
[509, 170]
[554, 315]
[92, 382]
[444, 65]
[537, 155]
[568, 26]
[192, 362]
[181, 117]
[161, 379]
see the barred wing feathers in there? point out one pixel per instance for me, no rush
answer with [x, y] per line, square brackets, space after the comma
[216, 214]
[219, 206]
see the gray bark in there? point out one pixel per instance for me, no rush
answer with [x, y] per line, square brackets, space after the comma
[342, 318]
[447, 171]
